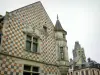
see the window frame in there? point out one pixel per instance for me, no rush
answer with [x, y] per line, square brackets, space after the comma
[31, 71]
[32, 42]
[62, 51]
[64, 36]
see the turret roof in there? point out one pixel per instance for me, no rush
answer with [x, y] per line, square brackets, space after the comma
[58, 26]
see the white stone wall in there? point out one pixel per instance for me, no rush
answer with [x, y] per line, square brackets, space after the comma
[90, 71]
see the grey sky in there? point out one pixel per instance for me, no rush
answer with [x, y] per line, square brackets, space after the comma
[80, 18]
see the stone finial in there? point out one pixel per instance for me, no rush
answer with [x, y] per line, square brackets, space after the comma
[89, 59]
[57, 17]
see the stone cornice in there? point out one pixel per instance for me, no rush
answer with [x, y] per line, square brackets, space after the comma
[28, 59]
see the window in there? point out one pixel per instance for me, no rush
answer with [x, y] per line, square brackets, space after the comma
[83, 65]
[70, 66]
[30, 70]
[82, 73]
[68, 74]
[86, 72]
[0, 38]
[93, 72]
[31, 43]
[45, 28]
[62, 53]
[76, 73]
[63, 35]
[98, 72]
[79, 52]
[71, 73]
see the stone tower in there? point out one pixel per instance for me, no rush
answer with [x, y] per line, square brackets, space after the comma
[61, 47]
[78, 54]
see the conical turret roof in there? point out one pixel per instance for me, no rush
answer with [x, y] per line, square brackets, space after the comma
[58, 26]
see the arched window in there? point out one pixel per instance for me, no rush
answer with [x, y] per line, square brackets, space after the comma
[98, 72]
[93, 72]
[76, 73]
[71, 73]
[86, 72]
[82, 73]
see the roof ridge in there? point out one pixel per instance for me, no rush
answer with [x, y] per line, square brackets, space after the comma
[25, 6]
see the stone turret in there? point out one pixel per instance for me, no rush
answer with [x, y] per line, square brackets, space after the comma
[78, 54]
[61, 47]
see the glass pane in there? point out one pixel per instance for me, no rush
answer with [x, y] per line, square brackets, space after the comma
[35, 73]
[28, 45]
[26, 67]
[34, 47]
[61, 52]
[34, 39]
[28, 37]
[62, 56]
[35, 69]
[26, 73]
[63, 35]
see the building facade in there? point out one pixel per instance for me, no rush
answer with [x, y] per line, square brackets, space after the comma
[86, 71]
[30, 44]
[79, 65]
[78, 54]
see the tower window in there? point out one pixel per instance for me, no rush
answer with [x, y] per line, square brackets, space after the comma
[63, 35]
[62, 52]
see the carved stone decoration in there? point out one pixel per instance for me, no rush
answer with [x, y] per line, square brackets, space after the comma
[37, 32]
[28, 30]
[32, 31]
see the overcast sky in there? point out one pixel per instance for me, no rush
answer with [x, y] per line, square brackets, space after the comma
[80, 18]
